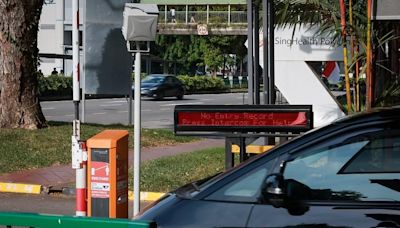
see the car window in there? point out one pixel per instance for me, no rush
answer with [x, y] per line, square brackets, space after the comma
[381, 155]
[169, 80]
[365, 167]
[153, 79]
[246, 188]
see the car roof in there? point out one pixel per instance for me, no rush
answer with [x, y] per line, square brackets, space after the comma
[160, 75]
[372, 115]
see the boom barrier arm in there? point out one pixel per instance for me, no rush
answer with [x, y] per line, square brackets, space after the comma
[11, 219]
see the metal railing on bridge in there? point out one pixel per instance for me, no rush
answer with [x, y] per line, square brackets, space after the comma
[12, 219]
[204, 17]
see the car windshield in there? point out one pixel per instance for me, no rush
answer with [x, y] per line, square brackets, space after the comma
[153, 79]
[186, 190]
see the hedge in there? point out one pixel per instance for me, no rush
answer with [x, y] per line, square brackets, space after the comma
[54, 85]
[195, 84]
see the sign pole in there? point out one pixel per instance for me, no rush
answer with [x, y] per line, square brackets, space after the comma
[256, 45]
[266, 91]
[271, 52]
[250, 46]
[135, 29]
[137, 129]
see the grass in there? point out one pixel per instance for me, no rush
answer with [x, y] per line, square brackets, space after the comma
[166, 174]
[27, 149]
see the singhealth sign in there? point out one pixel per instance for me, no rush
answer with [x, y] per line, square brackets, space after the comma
[305, 45]
[298, 83]
[312, 41]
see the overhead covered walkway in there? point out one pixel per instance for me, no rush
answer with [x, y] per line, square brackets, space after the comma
[184, 17]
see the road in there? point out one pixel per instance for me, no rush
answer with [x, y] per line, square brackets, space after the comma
[49, 204]
[155, 114]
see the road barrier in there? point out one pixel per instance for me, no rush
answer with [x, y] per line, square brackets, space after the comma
[13, 219]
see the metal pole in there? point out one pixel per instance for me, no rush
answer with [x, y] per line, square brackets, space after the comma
[83, 101]
[186, 14]
[75, 56]
[229, 15]
[256, 54]
[136, 159]
[165, 14]
[265, 52]
[80, 170]
[208, 14]
[242, 153]
[250, 51]
[229, 159]
[271, 53]
[370, 94]
[130, 103]
[266, 63]
[83, 111]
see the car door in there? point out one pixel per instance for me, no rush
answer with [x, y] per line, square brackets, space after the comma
[177, 86]
[227, 203]
[169, 87]
[350, 179]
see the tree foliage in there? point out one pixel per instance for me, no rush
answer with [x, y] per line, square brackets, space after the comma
[193, 51]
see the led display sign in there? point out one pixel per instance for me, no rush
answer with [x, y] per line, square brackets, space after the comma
[243, 118]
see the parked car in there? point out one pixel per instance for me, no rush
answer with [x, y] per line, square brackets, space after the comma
[345, 174]
[159, 86]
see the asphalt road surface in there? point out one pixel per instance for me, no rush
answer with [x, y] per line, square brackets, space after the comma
[58, 204]
[155, 114]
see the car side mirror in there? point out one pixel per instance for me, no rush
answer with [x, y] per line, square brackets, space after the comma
[274, 184]
[283, 193]
[274, 190]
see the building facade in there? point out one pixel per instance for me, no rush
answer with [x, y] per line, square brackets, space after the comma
[55, 36]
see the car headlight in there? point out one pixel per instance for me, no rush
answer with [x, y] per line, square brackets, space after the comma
[154, 88]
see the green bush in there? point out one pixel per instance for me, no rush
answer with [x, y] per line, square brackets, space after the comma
[62, 86]
[55, 86]
[202, 83]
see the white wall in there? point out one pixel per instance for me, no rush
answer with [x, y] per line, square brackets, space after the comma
[50, 36]
[54, 20]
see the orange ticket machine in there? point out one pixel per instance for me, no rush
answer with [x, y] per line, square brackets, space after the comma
[107, 174]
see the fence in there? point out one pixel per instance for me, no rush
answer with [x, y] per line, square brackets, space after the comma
[11, 219]
[204, 17]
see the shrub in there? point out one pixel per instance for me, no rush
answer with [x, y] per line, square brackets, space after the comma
[55, 86]
[202, 83]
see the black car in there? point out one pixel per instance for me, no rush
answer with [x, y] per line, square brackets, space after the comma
[159, 86]
[346, 174]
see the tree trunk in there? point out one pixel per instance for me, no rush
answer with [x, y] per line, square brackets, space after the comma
[19, 104]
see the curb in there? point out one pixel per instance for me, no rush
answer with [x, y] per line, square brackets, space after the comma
[20, 188]
[144, 196]
[38, 189]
